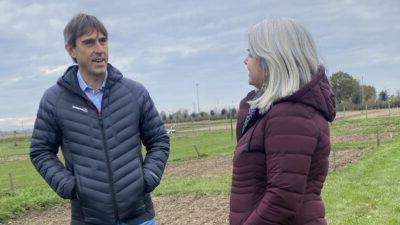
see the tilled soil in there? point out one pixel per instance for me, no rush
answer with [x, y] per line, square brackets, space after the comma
[363, 137]
[203, 167]
[341, 159]
[188, 209]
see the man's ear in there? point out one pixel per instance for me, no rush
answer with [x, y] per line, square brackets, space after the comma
[70, 50]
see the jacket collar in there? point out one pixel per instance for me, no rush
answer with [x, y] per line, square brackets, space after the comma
[69, 79]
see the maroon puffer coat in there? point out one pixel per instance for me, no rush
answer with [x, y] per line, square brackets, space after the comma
[278, 175]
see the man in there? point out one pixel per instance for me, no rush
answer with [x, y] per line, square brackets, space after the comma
[100, 120]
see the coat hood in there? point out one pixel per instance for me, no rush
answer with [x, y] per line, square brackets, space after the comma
[317, 94]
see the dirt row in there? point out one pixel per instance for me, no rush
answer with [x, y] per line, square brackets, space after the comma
[171, 210]
[191, 209]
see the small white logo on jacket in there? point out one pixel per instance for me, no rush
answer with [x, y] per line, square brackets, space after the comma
[80, 108]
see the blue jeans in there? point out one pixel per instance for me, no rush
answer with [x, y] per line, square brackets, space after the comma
[149, 222]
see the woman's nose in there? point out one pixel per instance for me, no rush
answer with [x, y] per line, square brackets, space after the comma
[245, 60]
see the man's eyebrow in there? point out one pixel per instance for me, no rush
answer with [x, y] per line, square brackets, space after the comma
[88, 40]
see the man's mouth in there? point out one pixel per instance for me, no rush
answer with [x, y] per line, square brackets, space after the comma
[99, 60]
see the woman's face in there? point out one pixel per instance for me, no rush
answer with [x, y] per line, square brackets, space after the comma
[256, 72]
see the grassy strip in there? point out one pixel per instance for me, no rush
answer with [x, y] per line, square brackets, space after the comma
[22, 200]
[366, 126]
[175, 185]
[207, 143]
[366, 192]
[23, 173]
[9, 149]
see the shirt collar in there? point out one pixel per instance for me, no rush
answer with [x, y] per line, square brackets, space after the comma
[84, 86]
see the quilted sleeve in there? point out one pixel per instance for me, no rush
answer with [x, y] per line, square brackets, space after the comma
[44, 148]
[156, 141]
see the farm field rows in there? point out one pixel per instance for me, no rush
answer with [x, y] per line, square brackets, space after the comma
[360, 187]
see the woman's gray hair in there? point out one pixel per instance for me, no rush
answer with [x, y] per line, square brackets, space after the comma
[288, 56]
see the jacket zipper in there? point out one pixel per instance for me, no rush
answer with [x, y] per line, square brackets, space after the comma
[100, 117]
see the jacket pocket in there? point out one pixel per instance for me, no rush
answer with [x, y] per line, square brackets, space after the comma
[143, 183]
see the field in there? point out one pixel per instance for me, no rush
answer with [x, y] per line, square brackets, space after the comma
[362, 187]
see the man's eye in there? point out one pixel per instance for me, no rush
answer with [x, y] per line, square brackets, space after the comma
[103, 40]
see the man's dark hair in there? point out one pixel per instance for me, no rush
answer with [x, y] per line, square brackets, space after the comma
[82, 24]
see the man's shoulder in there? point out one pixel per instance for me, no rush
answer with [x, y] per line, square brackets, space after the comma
[133, 86]
[52, 92]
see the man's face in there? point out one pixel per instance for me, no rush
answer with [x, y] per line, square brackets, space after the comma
[91, 53]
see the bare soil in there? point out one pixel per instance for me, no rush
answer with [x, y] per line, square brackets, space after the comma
[171, 210]
[363, 137]
[188, 209]
[341, 159]
[203, 167]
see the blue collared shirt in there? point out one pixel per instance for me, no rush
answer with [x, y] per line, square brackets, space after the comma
[94, 96]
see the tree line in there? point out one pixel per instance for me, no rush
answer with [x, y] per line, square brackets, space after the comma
[352, 95]
[349, 92]
[183, 115]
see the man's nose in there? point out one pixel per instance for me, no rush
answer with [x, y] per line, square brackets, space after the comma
[99, 47]
[245, 60]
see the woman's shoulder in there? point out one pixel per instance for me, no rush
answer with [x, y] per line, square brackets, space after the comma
[291, 109]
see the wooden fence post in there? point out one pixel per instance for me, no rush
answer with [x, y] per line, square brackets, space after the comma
[377, 136]
[11, 182]
[231, 126]
[334, 159]
[197, 152]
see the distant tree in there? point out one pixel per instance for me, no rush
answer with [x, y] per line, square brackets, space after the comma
[383, 96]
[369, 92]
[212, 113]
[356, 98]
[395, 99]
[163, 115]
[203, 114]
[233, 112]
[223, 112]
[344, 86]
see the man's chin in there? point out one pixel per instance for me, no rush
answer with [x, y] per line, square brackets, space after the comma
[99, 71]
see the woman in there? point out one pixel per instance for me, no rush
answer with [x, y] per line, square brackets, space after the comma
[281, 159]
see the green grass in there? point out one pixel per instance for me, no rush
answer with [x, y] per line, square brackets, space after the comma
[366, 192]
[366, 126]
[22, 200]
[30, 190]
[175, 185]
[23, 174]
[8, 148]
[207, 143]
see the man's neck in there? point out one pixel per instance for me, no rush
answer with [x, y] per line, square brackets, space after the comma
[94, 81]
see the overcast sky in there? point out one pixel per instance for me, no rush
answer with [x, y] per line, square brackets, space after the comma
[169, 46]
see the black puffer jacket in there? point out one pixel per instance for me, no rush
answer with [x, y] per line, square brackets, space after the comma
[104, 175]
